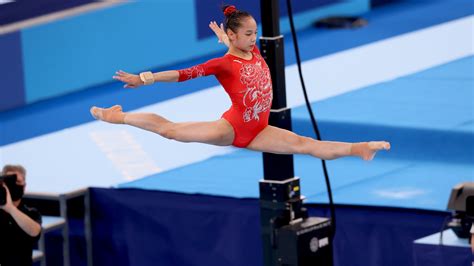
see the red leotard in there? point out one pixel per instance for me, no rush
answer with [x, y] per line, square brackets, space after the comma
[249, 86]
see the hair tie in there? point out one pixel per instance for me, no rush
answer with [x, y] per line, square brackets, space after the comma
[229, 10]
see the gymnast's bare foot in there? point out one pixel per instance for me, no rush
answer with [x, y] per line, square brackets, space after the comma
[113, 114]
[367, 150]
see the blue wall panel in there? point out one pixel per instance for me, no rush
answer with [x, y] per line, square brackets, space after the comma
[82, 51]
[11, 69]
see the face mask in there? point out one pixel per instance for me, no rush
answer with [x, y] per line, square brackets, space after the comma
[16, 192]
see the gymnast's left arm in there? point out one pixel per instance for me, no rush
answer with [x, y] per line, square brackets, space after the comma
[220, 33]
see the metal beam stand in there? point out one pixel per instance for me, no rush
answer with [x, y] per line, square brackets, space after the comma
[289, 237]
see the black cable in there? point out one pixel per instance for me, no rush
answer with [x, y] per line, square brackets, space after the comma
[313, 120]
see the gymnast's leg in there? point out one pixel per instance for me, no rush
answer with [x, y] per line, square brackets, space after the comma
[280, 141]
[218, 132]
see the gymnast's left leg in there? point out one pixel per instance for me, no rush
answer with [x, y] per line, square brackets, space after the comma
[281, 141]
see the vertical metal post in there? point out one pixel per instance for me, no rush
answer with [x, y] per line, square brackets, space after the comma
[287, 232]
[88, 227]
[63, 211]
[278, 169]
[42, 248]
[275, 166]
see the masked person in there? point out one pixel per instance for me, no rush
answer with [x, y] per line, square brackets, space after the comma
[20, 226]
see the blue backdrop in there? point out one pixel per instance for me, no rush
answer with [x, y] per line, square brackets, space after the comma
[139, 227]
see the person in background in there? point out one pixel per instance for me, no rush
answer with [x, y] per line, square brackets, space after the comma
[20, 225]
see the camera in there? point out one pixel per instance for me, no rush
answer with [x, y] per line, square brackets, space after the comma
[10, 182]
[461, 203]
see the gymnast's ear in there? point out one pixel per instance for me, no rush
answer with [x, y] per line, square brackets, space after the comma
[231, 34]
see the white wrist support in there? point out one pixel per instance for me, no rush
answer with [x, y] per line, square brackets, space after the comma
[147, 78]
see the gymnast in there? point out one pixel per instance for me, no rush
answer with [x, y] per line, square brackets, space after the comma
[245, 77]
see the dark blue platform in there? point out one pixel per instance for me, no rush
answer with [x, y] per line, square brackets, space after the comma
[137, 227]
[453, 251]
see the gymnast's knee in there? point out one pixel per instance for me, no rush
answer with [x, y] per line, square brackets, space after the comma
[298, 143]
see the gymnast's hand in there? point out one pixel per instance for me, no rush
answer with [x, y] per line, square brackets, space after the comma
[220, 32]
[130, 80]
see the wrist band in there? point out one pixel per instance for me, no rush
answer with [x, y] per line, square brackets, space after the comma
[147, 78]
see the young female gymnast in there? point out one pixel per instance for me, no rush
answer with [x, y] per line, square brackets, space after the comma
[246, 78]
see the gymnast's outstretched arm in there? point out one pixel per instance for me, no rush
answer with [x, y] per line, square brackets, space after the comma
[134, 81]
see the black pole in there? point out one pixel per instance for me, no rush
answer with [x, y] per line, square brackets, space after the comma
[274, 210]
[289, 236]
[275, 167]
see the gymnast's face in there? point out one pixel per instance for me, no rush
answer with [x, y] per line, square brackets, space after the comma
[246, 35]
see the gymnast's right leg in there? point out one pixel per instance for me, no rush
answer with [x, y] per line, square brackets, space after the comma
[218, 132]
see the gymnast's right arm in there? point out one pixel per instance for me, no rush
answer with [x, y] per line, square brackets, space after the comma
[211, 67]
[145, 78]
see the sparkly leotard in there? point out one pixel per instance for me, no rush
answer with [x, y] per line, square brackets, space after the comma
[249, 86]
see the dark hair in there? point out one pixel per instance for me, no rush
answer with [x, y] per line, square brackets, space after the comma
[233, 17]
